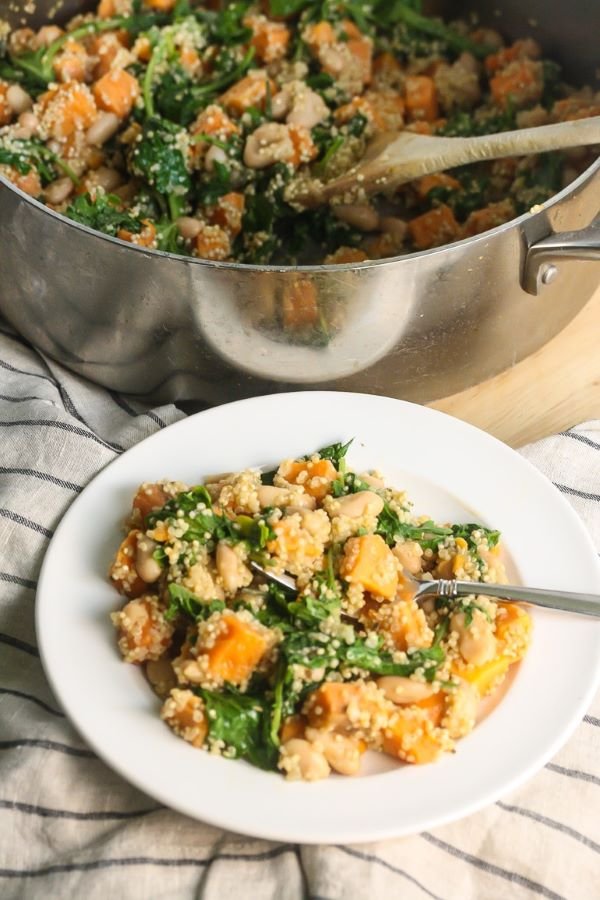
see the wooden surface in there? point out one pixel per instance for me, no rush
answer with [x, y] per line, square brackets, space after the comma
[551, 390]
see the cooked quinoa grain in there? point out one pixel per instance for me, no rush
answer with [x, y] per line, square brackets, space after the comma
[304, 683]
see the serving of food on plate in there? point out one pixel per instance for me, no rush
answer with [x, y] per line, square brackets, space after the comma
[307, 682]
[183, 126]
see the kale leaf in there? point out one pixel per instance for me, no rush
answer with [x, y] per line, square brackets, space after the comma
[183, 601]
[103, 212]
[158, 158]
[241, 722]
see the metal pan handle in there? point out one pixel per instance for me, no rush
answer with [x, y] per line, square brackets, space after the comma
[542, 257]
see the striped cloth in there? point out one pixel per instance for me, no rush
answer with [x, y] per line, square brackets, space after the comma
[71, 828]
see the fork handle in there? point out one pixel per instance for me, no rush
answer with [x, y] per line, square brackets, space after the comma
[586, 604]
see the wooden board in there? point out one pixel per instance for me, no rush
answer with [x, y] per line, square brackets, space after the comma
[555, 388]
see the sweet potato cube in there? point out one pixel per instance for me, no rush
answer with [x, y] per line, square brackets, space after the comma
[519, 83]
[428, 182]
[269, 39]
[315, 476]
[65, 109]
[421, 98]
[6, 112]
[70, 63]
[321, 34]
[30, 182]
[409, 626]
[116, 92]
[160, 5]
[234, 650]
[368, 561]
[250, 91]
[433, 228]
[300, 308]
[149, 497]
[123, 573]
[342, 706]
[305, 148]
[486, 677]
[228, 212]
[513, 630]
[144, 633]
[413, 738]
[292, 727]
[213, 242]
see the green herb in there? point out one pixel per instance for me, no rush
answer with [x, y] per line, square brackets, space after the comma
[241, 722]
[38, 65]
[157, 157]
[466, 533]
[490, 121]
[183, 601]
[216, 185]
[400, 11]
[389, 526]
[336, 453]
[350, 483]
[228, 28]
[103, 212]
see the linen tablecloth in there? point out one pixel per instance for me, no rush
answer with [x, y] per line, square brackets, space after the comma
[71, 828]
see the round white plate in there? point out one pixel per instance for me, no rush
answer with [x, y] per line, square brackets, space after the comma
[452, 471]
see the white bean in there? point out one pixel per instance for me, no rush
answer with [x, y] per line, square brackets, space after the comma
[27, 126]
[269, 495]
[58, 191]
[18, 99]
[102, 128]
[106, 178]
[281, 104]
[188, 227]
[270, 143]
[410, 554]
[364, 503]
[341, 752]
[395, 227]
[45, 36]
[372, 480]
[146, 566]
[307, 108]
[476, 642]
[301, 760]
[404, 690]
[358, 215]
[214, 154]
[234, 574]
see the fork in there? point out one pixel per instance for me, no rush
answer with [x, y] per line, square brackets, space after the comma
[566, 601]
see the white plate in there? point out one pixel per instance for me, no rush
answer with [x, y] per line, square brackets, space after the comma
[451, 470]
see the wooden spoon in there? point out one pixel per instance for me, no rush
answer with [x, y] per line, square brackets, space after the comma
[393, 159]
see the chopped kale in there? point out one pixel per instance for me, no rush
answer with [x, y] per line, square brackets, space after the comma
[103, 212]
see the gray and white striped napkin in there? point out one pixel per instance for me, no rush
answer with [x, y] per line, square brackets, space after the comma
[71, 828]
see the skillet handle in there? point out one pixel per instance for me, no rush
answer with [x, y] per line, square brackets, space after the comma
[542, 257]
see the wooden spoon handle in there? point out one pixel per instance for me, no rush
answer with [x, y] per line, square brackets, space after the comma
[527, 140]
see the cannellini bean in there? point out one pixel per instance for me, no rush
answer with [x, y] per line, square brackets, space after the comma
[102, 128]
[188, 227]
[307, 107]
[372, 480]
[341, 752]
[161, 676]
[364, 503]
[308, 762]
[106, 178]
[404, 690]
[45, 36]
[281, 104]
[301, 502]
[410, 554]
[146, 566]
[234, 574]
[27, 126]
[214, 154]
[395, 227]
[269, 495]
[18, 99]
[358, 215]
[58, 191]
[270, 143]
[476, 643]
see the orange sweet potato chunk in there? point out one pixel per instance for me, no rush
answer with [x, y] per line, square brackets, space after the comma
[433, 228]
[413, 738]
[368, 561]
[228, 212]
[236, 651]
[250, 91]
[148, 498]
[269, 39]
[315, 476]
[65, 109]
[300, 307]
[327, 707]
[116, 92]
[421, 98]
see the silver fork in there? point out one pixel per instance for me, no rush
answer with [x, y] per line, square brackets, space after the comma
[566, 601]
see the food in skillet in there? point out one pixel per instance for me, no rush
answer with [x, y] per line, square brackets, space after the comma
[180, 126]
[306, 683]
